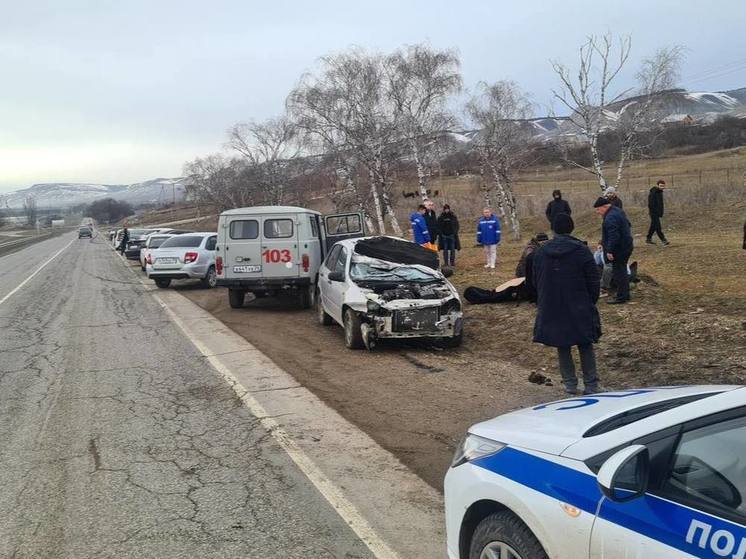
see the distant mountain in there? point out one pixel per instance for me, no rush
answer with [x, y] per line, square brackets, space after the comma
[61, 195]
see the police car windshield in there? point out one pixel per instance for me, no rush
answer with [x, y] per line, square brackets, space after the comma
[364, 271]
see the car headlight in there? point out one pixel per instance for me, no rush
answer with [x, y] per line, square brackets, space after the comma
[473, 447]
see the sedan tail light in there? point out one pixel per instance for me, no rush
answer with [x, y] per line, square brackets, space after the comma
[219, 265]
[190, 257]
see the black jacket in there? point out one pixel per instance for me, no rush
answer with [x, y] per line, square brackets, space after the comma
[655, 202]
[558, 206]
[568, 284]
[431, 219]
[448, 225]
[616, 233]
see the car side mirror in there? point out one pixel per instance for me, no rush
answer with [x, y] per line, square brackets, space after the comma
[625, 475]
[336, 276]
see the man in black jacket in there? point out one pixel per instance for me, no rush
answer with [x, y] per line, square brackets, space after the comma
[557, 206]
[431, 219]
[567, 282]
[616, 238]
[655, 208]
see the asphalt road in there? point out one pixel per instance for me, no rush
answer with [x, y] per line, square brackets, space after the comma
[118, 440]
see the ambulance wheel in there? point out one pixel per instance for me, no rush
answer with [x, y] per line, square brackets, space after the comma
[235, 298]
[503, 535]
[353, 335]
[308, 297]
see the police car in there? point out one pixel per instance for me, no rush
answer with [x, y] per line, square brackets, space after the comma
[654, 473]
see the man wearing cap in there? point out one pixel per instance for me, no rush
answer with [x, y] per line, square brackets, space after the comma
[612, 196]
[567, 283]
[655, 209]
[616, 238]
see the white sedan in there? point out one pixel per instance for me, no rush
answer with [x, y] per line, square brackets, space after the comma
[655, 473]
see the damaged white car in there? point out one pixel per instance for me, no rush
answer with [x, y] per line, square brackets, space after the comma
[384, 287]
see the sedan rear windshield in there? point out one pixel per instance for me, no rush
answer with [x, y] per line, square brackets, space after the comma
[155, 242]
[184, 241]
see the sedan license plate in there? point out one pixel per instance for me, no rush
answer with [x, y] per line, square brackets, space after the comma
[168, 260]
[247, 269]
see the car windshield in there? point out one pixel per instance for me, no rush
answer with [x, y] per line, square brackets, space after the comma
[185, 241]
[366, 271]
[140, 232]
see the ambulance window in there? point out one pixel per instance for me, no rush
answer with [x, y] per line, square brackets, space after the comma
[278, 228]
[244, 229]
[314, 226]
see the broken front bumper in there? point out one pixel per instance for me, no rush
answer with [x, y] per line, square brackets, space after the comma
[416, 323]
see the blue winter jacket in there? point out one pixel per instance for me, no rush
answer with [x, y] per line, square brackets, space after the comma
[419, 228]
[488, 230]
[616, 233]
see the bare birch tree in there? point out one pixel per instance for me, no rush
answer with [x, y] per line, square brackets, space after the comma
[225, 182]
[31, 211]
[420, 82]
[269, 148]
[500, 111]
[348, 97]
[596, 105]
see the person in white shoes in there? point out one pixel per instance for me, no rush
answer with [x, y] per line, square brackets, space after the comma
[488, 235]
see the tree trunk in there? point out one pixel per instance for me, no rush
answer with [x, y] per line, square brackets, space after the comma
[376, 202]
[515, 222]
[597, 165]
[421, 179]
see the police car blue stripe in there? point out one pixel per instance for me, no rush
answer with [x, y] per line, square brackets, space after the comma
[656, 518]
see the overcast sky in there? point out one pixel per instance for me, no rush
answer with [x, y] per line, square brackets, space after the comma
[124, 91]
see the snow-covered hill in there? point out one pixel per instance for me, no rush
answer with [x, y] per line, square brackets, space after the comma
[61, 195]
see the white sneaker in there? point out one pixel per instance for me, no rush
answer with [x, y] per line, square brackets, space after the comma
[492, 266]
[486, 265]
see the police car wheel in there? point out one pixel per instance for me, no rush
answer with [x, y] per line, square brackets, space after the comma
[502, 535]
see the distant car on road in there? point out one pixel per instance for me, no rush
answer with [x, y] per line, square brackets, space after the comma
[654, 473]
[85, 232]
[384, 287]
[187, 256]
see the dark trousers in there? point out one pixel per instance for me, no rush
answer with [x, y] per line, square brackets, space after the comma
[587, 364]
[620, 276]
[655, 227]
[448, 242]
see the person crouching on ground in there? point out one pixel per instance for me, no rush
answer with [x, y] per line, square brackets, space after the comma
[488, 235]
[448, 240]
[419, 226]
[567, 284]
[616, 238]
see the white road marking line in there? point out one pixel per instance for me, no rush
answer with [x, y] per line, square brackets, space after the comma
[330, 492]
[344, 508]
[39, 269]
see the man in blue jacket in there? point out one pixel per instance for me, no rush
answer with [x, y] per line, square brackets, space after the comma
[488, 235]
[616, 239]
[419, 226]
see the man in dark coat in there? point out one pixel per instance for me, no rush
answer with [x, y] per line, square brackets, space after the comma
[431, 219]
[568, 283]
[616, 238]
[655, 209]
[125, 240]
[557, 206]
[448, 240]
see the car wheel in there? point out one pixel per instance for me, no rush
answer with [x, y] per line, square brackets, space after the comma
[236, 298]
[502, 535]
[453, 341]
[324, 319]
[211, 279]
[308, 297]
[353, 335]
[163, 283]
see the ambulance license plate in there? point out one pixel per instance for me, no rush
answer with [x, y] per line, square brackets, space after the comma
[247, 269]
